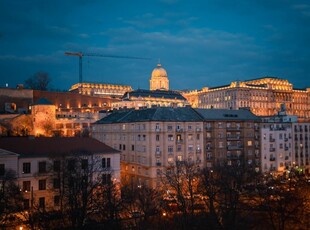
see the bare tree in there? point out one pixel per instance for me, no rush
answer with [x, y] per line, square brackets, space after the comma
[39, 81]
[11, 200]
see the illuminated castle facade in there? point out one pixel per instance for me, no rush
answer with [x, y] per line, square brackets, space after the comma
[263, 96]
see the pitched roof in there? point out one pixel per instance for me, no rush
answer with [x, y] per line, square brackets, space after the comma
[170, 94]
[47, 146]
[152, 114]
[227, 114]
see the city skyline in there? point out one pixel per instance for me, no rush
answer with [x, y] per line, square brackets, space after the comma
[200, 44]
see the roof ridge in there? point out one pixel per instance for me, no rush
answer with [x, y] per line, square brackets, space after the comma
[127, 113]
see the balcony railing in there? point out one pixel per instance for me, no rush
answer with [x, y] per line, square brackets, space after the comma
[231, 147]
[271, 139]
[272, 159]
[272, 149]
[179, 130]
[233, 137]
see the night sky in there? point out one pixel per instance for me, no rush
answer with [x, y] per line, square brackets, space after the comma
[201, 43]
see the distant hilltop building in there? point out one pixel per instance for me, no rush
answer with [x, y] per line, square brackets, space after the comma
[158, 95]
[100, 90]
[263, 96]
[159, 79]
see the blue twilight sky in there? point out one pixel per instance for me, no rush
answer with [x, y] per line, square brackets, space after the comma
[199, 42]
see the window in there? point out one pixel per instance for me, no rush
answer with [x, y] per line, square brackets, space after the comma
[56, 200]
[157, 137]
[56, 166]
[190, 137]
[170, 137]
[106, 162]
[42, 167]
[84, 164]
[249, 143]
[132, 148]
[56, 183]
[120, 146]
[26, 204]
[26, 186]
[106, 179]
[197, 136]
[190, 148]
[2, 170]
[124, 147]
[169, 127]
[170, 149]
[42, 202]
[71, 165]
[42, 184]
[26, 167]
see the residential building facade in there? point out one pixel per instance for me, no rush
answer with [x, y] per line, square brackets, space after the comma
[152, 140]
[37, 162]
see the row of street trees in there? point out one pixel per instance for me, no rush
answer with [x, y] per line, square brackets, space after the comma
[224, 197]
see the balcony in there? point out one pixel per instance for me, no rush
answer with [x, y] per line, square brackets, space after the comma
[233, 147]
[179, 130]
[285, 148]
[234, 128]
[233, 156]
[272, 149]
[180, 141]
[272, 159]
[233, 137]
[198, 150]
[209, 147]
[157, 130]
[286, 157]
[158, 163]
[198, 129]
[272, 139]
[157, 153]
[286, 139]
[256, 137]
[208, 128]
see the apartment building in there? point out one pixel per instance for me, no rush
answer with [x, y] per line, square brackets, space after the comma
[301, 143]
[36, 162]
[232, 137]
[277, 143]
[151, 140]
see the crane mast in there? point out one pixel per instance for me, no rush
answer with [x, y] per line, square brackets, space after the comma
[80, 55]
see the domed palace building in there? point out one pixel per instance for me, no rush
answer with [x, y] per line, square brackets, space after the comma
[159, 79]
[158, 95]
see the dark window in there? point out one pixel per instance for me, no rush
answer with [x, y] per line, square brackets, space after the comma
[71, 164]
[42, 184]
[42, 202]
[120, 146]
[56, 166]
[132, 148]
[124, 147]
[26, 168]
[2, 170]
[104, 165]
[157, 137]
[26, 186]
[84, 164]
[108, 162]
[42, 167]
[56, 183]
[56, 200]
[106, 179]
[26, 204]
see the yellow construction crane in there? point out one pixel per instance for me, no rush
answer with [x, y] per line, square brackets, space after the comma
[81, 55]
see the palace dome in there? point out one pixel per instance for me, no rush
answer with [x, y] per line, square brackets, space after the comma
[159, 71]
